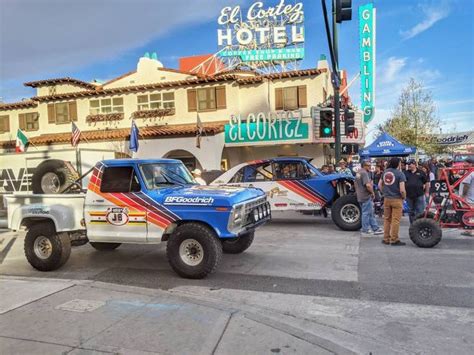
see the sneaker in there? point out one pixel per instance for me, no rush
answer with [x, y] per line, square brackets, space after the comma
[366, 234]
[398, 243]
[378, 232]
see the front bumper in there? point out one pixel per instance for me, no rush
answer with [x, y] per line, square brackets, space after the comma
[255, 213]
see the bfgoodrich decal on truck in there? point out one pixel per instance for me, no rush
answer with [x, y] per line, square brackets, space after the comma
[189, 201]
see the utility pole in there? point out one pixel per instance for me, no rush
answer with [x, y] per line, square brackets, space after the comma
[336, 85]
[341, 11]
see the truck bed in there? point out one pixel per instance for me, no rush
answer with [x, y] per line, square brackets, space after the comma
[66, 210]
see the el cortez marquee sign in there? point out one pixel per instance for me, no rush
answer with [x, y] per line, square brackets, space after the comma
[274, 33]
[367, 60]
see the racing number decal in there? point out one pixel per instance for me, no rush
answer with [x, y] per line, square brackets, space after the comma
[439, 187]
[117, 216]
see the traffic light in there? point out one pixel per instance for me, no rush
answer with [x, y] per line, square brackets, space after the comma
[343, 10]
[349, 122]
[325, 123]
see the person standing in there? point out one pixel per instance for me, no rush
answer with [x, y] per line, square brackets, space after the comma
[417, 186]
[392, 186]
[365, 195]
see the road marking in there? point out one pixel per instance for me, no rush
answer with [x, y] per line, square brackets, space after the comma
[78, 305]
[4, 252]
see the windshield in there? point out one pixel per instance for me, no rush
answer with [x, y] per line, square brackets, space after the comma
[159, 175]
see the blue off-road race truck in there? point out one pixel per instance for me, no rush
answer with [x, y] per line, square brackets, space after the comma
[140, 202]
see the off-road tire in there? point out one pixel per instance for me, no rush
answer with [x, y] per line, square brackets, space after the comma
[105, 246]
[58, 167]
[211, 250]
[60, 243]
[430, 215]
[238, 245]
[424, 225]
[337, 207]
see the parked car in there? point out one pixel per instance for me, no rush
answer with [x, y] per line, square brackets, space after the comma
[141, 202]
[294, 184]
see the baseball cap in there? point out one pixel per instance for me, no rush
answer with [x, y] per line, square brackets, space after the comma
[411, 161]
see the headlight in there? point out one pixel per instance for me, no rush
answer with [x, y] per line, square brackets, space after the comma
[237, 215]
[260, 212]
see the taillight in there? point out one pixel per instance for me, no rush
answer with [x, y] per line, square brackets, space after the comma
[334, 183]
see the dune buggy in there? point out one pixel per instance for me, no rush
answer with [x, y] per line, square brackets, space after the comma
[446, 208]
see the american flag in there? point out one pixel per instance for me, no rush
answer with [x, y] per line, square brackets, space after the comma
[76, 135]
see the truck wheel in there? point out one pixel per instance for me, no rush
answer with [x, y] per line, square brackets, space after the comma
[45, 249]
[105, 246]
[193, 251]
[346, 213]
[52, 177]
[430, 215]
[238, 245]
[425, 232]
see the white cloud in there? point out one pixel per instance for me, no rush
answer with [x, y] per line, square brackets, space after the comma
[432, 14]
[39, 38]
[392, 69]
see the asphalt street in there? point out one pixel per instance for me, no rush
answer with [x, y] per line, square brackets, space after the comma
[304, 286]
[295, 254]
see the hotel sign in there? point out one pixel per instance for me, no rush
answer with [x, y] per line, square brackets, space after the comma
[367, 60]
[265, 54]
[262, 33]
[284, 127]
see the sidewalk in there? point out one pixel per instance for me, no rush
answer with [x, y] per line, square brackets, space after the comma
[45, 316]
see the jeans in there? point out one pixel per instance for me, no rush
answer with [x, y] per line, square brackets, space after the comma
[368, 216]
[416, 206]
[392, 214]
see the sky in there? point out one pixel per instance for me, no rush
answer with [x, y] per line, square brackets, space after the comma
[429, 40]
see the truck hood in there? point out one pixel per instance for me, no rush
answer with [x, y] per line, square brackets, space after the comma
[225, 196]
[336, 176]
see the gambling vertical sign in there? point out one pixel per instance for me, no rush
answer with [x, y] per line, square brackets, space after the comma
[367, 60]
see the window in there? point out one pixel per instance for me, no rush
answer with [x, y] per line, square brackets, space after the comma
[104, 106]
[4, 123]
[120, 179]
[155, 101]
[161, 175]
[291, 170]
[29, 121]
[290, 98]
[62, 112]
[207, 99]
[258, 173]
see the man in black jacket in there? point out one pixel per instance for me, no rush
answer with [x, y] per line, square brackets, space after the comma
[417, 186]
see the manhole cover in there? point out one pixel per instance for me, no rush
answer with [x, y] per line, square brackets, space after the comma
[78, 305]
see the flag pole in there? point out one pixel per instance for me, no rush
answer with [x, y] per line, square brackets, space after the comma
[82, 135]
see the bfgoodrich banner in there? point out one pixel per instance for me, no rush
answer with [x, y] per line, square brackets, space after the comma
[461, 138]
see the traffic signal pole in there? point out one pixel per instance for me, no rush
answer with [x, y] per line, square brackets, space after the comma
[336, 85]
[341, 11]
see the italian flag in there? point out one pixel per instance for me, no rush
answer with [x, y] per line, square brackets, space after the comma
[21, 141]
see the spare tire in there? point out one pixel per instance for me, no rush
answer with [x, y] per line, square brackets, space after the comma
[52, 177]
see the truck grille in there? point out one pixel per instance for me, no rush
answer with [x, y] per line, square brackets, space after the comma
[257, 211]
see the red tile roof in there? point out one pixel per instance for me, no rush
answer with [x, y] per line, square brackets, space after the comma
[136, 88]
[17, 105]
[152, 132]
[66, 80]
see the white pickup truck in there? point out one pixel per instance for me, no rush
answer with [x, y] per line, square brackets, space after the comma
[141, 202]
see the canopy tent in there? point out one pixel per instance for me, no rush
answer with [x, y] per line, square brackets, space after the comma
[386, 146]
